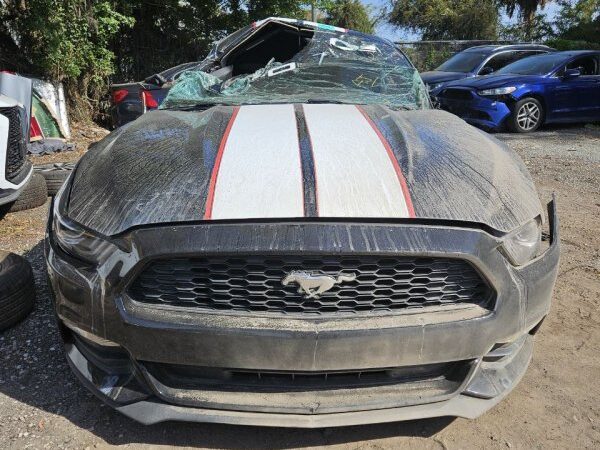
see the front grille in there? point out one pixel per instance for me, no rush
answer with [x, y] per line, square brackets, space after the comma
[16, 151]
[456, 94]
[253, 284]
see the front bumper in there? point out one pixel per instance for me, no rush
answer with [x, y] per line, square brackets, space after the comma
[9, 192]
[494, 347]
[484, 112]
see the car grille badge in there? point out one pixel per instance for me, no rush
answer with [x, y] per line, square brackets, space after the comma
[312, 284]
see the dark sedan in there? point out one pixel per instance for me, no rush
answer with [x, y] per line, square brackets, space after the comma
[559, 87]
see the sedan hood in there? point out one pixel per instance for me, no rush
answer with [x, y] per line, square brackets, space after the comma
[292, 161]
[436, 76]
[491, 81]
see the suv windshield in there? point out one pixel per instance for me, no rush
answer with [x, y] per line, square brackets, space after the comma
[534, 65]
[334, 67]
[463, 62]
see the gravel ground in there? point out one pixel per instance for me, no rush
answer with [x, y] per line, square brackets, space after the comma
[557, 405]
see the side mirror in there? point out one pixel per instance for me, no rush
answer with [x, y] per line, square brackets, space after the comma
[486, 71]
[570, 74]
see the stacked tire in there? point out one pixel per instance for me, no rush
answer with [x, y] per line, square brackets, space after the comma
[34, 194]
[17, 289]
[55, 175]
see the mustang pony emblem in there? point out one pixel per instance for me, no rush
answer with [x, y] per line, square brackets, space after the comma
[313, 284]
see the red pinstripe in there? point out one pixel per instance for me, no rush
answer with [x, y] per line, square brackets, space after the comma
[210, 198]
[394, 161]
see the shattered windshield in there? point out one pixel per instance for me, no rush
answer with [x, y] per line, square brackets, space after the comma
[331, 67]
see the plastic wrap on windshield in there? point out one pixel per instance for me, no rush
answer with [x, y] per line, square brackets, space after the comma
[332, 67]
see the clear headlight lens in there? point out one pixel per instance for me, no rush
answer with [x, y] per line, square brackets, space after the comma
[498, 91]
[522, 245]
[73, 239]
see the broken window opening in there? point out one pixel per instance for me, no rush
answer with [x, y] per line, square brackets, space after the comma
[285, 63]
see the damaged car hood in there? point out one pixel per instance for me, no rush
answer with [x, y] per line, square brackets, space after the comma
[292, 161]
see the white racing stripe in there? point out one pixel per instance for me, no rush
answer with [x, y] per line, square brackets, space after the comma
[260, 174]
[354, 173]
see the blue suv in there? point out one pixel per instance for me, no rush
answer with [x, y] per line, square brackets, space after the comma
[557, 87]
[480, 60]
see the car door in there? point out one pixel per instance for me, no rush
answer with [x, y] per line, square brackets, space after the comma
[578, 98]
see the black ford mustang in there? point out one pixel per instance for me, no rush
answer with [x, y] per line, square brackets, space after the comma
[296, 239]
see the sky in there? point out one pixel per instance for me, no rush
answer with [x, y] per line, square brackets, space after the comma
[394, 34]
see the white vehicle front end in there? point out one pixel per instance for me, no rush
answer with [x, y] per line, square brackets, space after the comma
[15, 169]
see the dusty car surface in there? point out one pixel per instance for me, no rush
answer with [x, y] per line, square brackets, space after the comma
[296, 239]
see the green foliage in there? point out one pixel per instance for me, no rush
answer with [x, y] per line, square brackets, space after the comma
[566, 44]
[447, 19]
[537, 30]
[527, 10]
[579, 20]
[350, 14]
[65, 40]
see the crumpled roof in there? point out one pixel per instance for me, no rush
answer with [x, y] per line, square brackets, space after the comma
[336, 66]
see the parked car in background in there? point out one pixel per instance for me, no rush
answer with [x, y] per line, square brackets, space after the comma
[480, 60]
[131, 100]
[15, 168]
[557, 87]
[296, 239]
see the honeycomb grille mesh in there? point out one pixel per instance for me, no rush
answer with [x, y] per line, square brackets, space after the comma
[16, 151]
[253, 284]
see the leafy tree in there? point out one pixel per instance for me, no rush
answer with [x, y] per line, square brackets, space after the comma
[64, 40]
[447, 19]
[350, 14]
[579, 20]
[527, 10]
[539, 29]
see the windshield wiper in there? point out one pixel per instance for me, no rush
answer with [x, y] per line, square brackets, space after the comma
[191, 107]
[319, 100]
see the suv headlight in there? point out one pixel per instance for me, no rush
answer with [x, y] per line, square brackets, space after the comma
[498, 91]
[72, 238]
[523, 244]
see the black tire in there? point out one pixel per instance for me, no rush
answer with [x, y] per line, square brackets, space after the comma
[17, 289]
[34, 194]
[55, 174]
[527, 116]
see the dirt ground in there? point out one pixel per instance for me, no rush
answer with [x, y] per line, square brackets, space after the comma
[557, 405]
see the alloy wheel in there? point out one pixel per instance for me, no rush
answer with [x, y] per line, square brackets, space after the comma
[528, 116]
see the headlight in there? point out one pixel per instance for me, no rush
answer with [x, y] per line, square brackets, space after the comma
[498, 91]
[522, 245]
[74, 239]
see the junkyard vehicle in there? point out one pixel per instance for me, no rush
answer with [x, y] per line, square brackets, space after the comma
[300, 242]
[131, 100]
[15, 169]
[480, 60]
[558, 87]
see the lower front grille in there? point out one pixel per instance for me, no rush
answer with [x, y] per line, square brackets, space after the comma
[16, 150]
[198, 378]
[456, 94]
[306, 392]
[358, 284]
